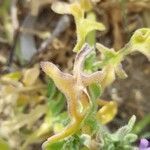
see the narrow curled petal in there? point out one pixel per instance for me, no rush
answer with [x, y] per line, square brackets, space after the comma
[96, 77]
[51, 70]
[109, 76]
[140, 41]
[62, 80]
[107, 112]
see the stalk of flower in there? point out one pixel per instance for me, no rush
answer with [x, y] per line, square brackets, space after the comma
[83, 25]
[111, 60]
[74, 88]
[110, 64]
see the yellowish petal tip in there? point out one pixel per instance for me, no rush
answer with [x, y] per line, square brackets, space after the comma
[44, 65]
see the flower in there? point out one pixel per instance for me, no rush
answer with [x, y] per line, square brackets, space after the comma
[144, 144]
[140, 41]
[83, 25]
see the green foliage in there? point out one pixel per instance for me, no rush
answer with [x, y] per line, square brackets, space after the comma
[95, 91]
[56, 146]
[72, 143]
[55, 118]
[91, 37]
[83, 122]
[121, 139]
[142, 124]
[88, 83]
[83, 25]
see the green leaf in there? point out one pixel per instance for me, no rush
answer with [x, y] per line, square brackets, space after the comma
[51, 89]
[91, 37]
[55, 146]
[122, 139]
[142, 124]
[130, 138]
[123, 131]
[56, 105]
[95, 91]
[89, 62]
[131, 122]
[73, 143]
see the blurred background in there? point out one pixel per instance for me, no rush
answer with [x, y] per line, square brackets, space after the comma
[31, 32]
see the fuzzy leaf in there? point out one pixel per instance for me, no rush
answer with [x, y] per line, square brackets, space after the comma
[122, 132]
[86, 140]
[56, 146]
[130, 138]
[95, 91]
[120, 140]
